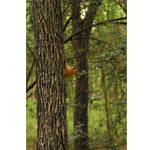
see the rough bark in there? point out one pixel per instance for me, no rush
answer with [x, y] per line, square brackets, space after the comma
[80, 47]
[51, 104]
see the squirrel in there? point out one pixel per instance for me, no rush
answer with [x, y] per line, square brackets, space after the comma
[68, 71]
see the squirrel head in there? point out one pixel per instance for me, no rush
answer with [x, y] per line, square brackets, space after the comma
[75, 71]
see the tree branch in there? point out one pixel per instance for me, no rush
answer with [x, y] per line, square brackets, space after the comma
[99, 23]
[31, 12]
[66, 8]
[30, 51]
[29, 74]
[100, 40]
[31, 86]
[94, 39]
[30, 95]
[124, 23]
[29, 26]
[67, 23]
[120, 4]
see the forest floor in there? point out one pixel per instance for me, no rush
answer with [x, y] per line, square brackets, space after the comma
[123, 147]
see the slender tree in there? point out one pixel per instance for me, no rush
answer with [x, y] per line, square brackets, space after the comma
[80, 47]
[51, 104]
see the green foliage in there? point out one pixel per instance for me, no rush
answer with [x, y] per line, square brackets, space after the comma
[76, 134]
[30, 40]
[31, 123]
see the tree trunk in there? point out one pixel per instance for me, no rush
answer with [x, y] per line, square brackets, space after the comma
[51, 104]
[80, 47]
[106, 106]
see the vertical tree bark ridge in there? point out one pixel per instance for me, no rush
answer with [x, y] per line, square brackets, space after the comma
[80, 47]
[51, 104]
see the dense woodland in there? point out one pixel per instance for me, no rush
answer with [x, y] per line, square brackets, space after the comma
[95, 41]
